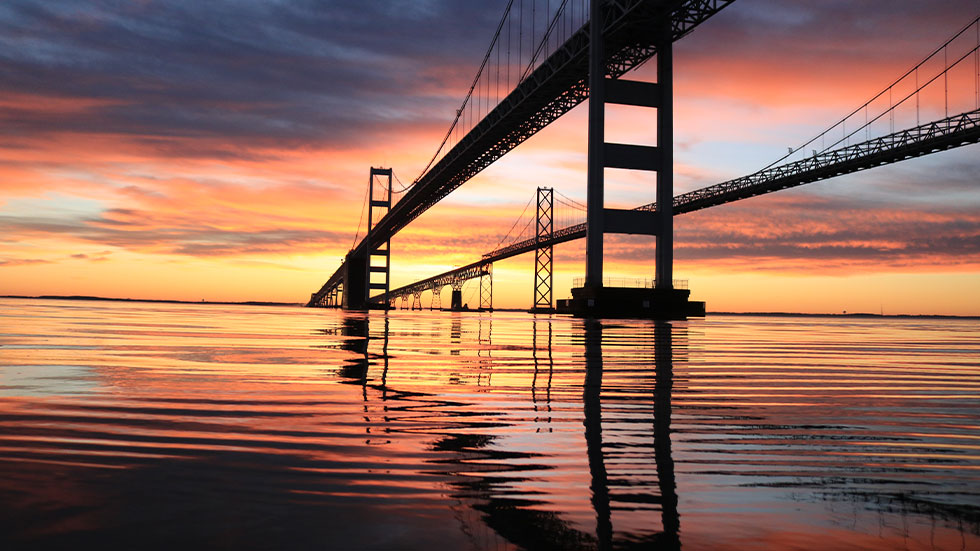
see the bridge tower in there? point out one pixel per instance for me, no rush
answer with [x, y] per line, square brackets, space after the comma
[543, 255]
[594, 298]
[359, 279]
[486, 288]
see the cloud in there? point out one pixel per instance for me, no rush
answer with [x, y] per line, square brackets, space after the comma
[256, 73]
[806, 233]
[22, 261]
[139, 231]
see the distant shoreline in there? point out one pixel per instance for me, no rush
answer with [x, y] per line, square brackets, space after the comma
[857, 315]
[153, 300]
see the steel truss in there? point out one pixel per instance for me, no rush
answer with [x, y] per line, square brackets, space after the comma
[948, 133]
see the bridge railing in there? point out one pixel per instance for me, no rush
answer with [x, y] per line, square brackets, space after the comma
[631, 282]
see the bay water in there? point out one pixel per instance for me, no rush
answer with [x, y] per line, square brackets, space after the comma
[158, 426]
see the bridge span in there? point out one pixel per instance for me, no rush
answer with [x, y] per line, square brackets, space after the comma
[553, 88]
[589, 64]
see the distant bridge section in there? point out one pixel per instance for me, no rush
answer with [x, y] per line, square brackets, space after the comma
[940, 135]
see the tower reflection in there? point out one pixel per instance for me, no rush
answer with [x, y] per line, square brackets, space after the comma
[602, 499]
[500, 488]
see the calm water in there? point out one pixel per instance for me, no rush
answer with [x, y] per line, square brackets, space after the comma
[160, 426]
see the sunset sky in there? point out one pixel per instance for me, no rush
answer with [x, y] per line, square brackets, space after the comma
[220, 150]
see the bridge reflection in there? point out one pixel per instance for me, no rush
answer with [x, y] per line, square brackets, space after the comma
[498, 491]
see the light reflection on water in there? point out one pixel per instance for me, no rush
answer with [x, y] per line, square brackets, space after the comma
[155, 425]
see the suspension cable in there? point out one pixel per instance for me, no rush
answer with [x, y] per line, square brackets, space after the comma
[573, 201]
[514, 224]
[913, 93]
[469, 94]
[914, 69]
[358, 232]
[544, 40]
[404, 187]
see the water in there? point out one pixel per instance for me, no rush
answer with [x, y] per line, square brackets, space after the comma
[159, 425]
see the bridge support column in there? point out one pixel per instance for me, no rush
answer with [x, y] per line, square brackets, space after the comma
[665, 147]
[355, 280]
[362, 263]
[597, 129]
[593, 298]
[456, 302]
[436, 303]
[417, 300]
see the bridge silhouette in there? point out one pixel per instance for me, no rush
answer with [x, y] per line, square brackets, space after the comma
[576, 53]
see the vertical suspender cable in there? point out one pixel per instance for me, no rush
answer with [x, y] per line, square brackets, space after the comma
[461, 113]
[534, 16]
[917, 123]
[891, 113]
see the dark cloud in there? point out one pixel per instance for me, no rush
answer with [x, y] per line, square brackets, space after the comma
[249, 72]
[338, 72]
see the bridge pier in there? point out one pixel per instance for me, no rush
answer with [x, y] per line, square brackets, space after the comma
[456, 301]
[355, 278]
[594, 298]
[436, 303]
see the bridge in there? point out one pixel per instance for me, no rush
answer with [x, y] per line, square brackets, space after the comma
[587, 61]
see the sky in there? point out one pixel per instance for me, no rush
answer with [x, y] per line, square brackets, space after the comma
[220, 151]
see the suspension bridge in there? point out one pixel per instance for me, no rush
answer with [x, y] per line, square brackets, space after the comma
[547, 57]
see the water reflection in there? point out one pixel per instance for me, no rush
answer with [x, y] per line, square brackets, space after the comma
[523, 522]
[251, 427]
[661, 365]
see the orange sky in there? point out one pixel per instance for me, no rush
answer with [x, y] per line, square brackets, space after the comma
[143, 160]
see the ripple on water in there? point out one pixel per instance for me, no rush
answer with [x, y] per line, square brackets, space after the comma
[163, 424]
